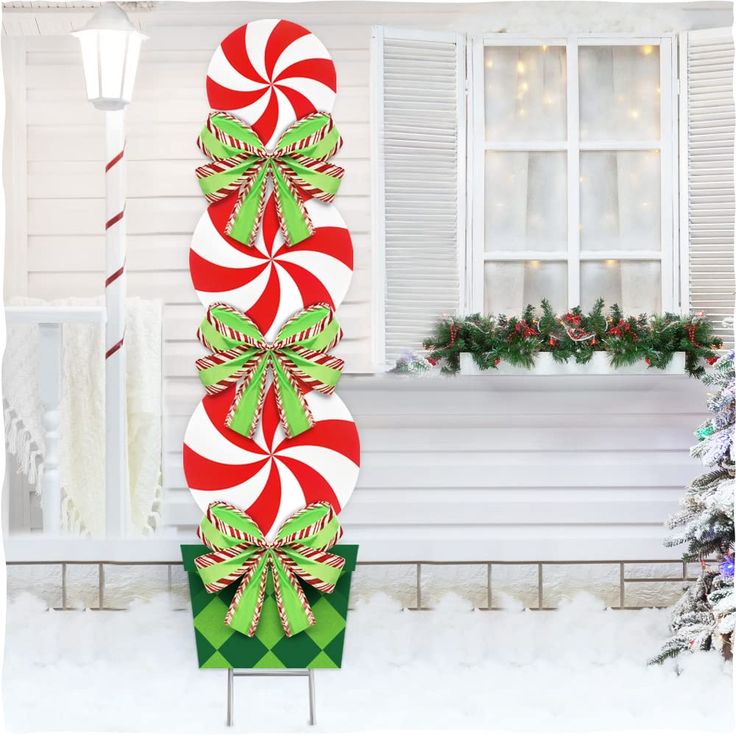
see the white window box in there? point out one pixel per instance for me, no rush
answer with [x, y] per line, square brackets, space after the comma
[599, 365]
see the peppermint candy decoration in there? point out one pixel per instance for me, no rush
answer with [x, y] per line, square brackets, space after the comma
[271, 281]
[271, 476]
[270, 73]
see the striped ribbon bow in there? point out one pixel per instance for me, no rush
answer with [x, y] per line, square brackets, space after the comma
[240, 552]
[296, 359]
[241, 167]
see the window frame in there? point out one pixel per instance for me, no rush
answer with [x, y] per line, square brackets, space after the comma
[668, 255]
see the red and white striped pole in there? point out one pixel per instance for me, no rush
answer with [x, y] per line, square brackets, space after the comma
[111, 46]
[116, 445]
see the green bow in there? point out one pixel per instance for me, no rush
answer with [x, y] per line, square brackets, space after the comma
[240, 552]
[241, 167]
[241, 355]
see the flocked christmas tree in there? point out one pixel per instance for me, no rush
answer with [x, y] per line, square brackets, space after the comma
[704, 617]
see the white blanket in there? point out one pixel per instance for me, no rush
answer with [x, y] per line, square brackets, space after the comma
[82, 444]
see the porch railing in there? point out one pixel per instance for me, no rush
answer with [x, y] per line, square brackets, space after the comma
[50, 321]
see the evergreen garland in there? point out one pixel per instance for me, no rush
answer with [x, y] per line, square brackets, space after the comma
[576, 335]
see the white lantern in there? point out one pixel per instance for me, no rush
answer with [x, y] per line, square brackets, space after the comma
[110, 49]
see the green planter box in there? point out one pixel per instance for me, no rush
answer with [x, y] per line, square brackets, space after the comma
[319, 647]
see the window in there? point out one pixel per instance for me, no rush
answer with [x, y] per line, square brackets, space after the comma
[574, 140]
[510, 169]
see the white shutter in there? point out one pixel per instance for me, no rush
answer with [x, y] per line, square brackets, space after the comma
[420, 187]
[708, 85]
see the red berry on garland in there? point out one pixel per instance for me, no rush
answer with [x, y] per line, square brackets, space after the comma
[552, 341]
[648, 361]
[712, 361]
[432, 361]
[592, 342]
[497, 361]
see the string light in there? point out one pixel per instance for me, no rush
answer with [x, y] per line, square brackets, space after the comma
[489, 64]
[524, 86]
[544, 48]
[520, 67]
[534, 263]
[647, 50]
[611, 262]
[522, 112]
[634, 113]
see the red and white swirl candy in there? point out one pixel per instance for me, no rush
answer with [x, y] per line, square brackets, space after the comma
[271, 476]
[271, 281]
[270, 73]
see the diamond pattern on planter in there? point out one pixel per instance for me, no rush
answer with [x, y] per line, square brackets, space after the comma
[319, 647]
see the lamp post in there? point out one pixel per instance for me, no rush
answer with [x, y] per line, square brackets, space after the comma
[110, 49]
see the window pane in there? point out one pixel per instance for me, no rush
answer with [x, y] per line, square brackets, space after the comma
[619, 92]
[619, 200]
[634, 285]
[509, 287]
[525, 93]
[526, 201]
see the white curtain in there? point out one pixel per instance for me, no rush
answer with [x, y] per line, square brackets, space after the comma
[526, 97]
[620, 190]
[620, 200]
[619, 93]
[526, 192]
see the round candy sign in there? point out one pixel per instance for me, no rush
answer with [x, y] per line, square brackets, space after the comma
[271, 476]
[270, 73]
[271, 281]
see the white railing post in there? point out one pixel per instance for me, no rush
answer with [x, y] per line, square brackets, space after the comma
[50, 355]
[116, 444]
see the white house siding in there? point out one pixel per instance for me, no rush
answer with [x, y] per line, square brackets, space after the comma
[506, 468]
[483, 468]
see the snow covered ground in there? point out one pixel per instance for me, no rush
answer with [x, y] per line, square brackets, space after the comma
[579, 668]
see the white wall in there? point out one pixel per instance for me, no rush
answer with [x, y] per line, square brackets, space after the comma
[497, 467]
[504, 467]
